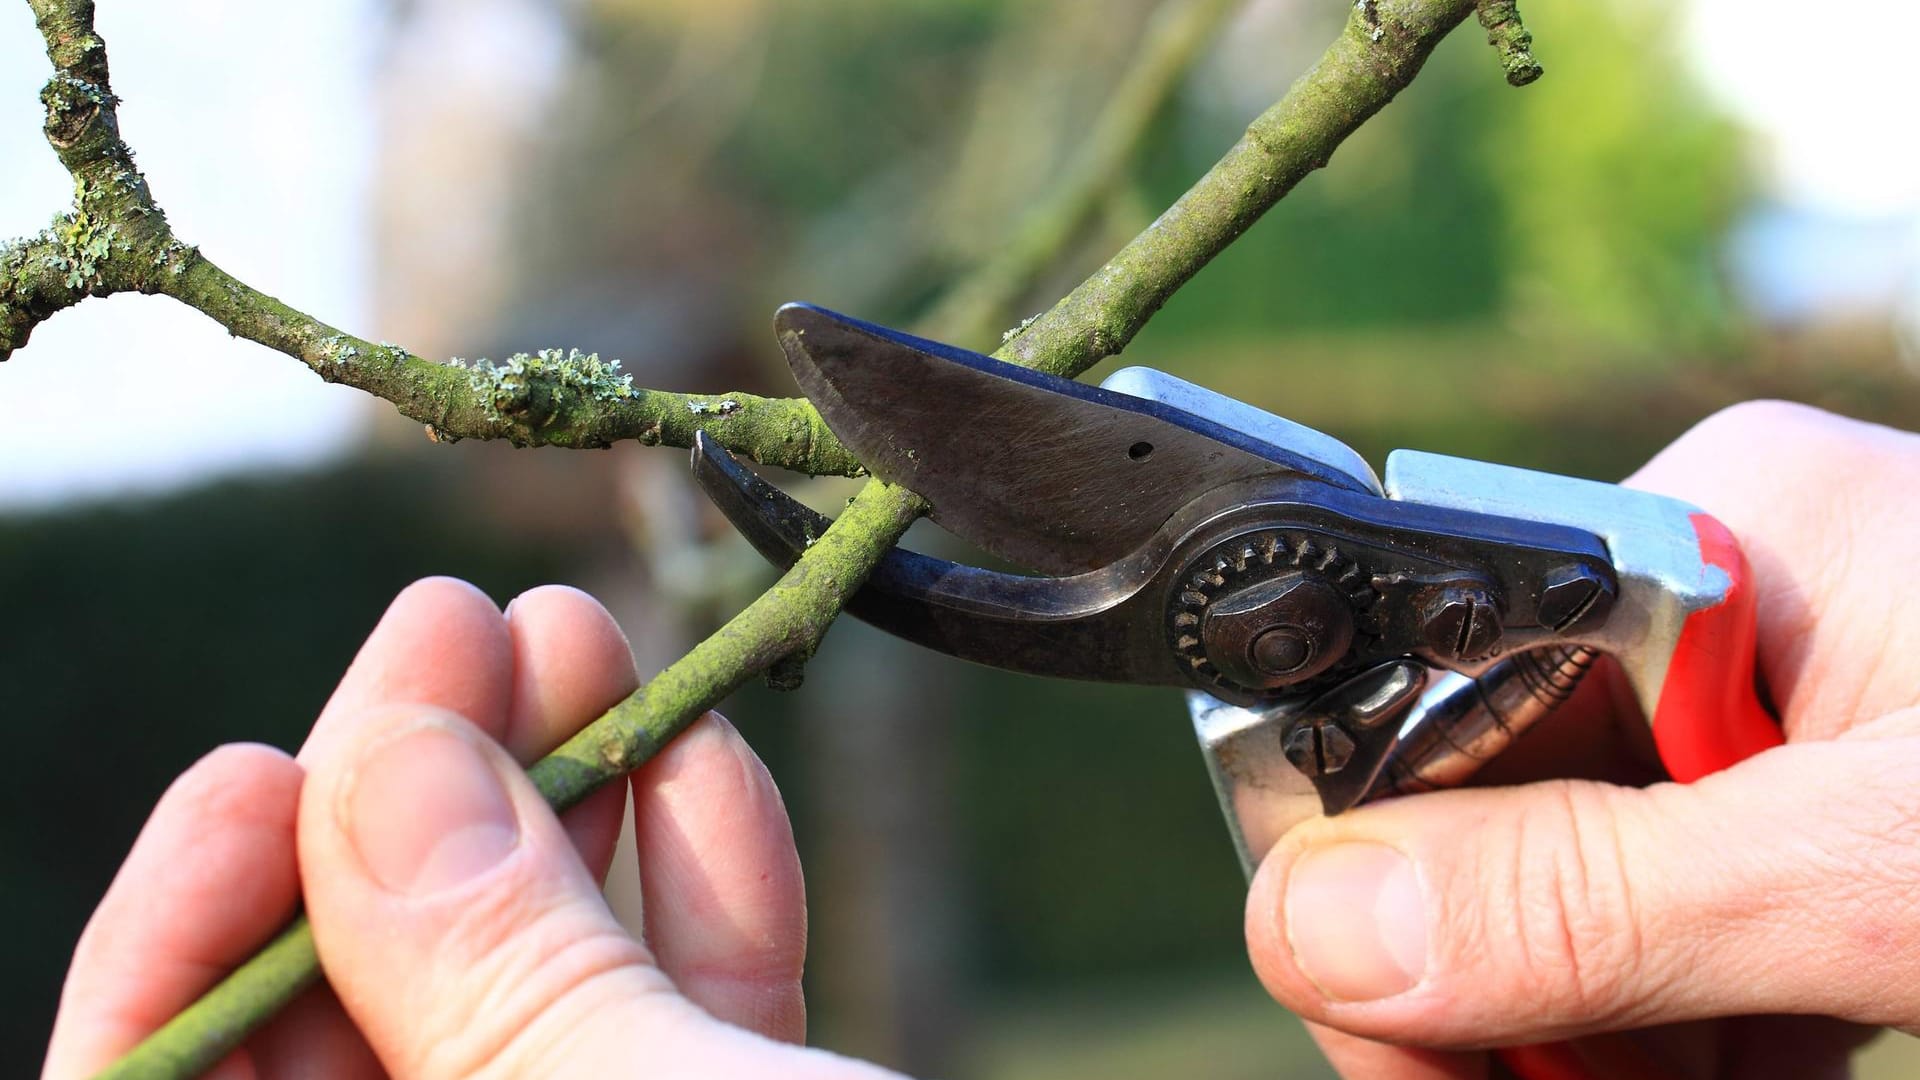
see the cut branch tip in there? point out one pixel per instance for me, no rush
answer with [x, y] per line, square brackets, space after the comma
[1507, 33]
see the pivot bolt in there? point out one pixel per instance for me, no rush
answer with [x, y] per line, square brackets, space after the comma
[1278, 632]
[1461, 622]
[1282, 650]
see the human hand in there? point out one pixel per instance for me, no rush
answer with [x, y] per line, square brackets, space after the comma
[1788, 884]
[460, 924]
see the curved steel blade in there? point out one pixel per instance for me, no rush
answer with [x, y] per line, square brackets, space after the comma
[1048, 472]
[1081, 627]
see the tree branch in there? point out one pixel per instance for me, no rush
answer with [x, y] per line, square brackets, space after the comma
[110, 240]
[550, 398]
[1505, 32]
[1382, 48]
[116, 239]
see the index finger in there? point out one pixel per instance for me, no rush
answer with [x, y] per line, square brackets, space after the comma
[1826, 511]
[211, 875]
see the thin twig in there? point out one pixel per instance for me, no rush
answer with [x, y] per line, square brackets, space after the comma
[976, 308]
[1505, 32]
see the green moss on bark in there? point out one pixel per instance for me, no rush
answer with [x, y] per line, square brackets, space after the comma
[1507, 34]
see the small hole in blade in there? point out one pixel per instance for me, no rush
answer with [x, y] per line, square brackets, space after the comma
[1140, 450]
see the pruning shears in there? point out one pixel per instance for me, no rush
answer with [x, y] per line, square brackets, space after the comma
[1342, 636]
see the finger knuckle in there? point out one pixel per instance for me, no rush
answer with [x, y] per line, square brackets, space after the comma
[1574, 915]
[528, 978]
[1802, 440]
[1757, 424]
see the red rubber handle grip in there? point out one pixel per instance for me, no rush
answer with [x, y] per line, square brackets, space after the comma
[1709, 716]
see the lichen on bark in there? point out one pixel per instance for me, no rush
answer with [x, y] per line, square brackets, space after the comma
[1505, 32]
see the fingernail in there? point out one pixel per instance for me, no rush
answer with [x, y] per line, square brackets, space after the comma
[1355, 921]
[426, 812]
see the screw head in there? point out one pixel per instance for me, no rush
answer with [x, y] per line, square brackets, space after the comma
[1278, 632]
[1302, 749]
[1461, 622]
[1336, 748]
[1569, 594]
[1318, 749]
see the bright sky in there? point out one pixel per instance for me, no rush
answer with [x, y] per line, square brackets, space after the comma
[248, 123]
[1832, 86]
[252, 125]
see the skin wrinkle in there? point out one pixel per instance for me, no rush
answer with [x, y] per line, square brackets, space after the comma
[493, 940]
[1574, 902]
[616, 970]
[1615, 926]
[1535, 966]
[1631, 910]
[1783, 655]
[1878, 872]
[1656, 962]
[1465, 924]
[1779, 882]
[773, 972]
[1873, 930]
[1816, 885]
[773, 1008]
[1876, 664]
[657, 1017]
[510, 949]
[1650, 926]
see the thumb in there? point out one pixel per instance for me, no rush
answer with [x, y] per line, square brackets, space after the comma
[1485, 917]
[454, 918]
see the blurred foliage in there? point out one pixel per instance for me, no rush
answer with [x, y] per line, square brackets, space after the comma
[1524, 275]
[1620, 182]
[1589, 206]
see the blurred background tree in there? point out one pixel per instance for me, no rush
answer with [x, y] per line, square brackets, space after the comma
[1008, 877]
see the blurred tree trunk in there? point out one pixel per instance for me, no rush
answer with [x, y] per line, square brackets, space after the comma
[885, 971]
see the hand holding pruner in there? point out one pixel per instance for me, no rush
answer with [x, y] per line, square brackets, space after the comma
[1342, 636]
